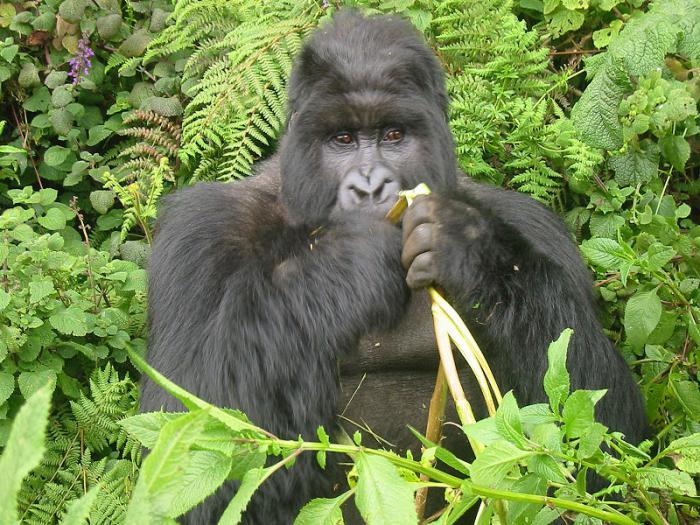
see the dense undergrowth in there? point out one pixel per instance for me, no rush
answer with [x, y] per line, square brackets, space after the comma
[590, 106]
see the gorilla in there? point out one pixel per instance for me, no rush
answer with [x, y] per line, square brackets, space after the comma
[287, 295]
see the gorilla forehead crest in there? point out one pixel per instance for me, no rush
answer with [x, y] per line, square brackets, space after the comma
[381, 54]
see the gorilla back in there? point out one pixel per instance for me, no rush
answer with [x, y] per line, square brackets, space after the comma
[259, 288]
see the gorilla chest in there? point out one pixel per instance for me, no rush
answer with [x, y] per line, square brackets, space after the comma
[387, 382]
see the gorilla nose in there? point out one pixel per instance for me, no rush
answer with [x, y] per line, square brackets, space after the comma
[377, 190]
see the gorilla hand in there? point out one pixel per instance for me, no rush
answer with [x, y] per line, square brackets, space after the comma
[430, 225]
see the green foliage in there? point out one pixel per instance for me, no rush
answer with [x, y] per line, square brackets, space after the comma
[529, 453]
[83, 452]
[236, 79]
[195, 89]
[23, 450]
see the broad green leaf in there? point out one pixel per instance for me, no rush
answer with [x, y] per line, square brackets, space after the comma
[31, 382]
[688, 393]
[645, 41]
[564, 20]
[546, 516]
[595, 114]
[556, 379]
[675, 150]
[53, 219]
[642, 314]
[605, 253]
[521, 512]
[97, 134]
[322, 511]
[39, 101]
[578, 412]
[146, 427]
[4, 299]
[507, 420]
[38, 290]
[56, 155]
[636, 167]
[546, 467]
[69, 321]
[79, 509]
[383, 497]
[606, 225]
[160, 479]
[205, 472]
[23, 451]
[497, 461]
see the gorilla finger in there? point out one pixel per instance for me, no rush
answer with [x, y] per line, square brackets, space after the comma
[421, 211]
[422, 272]
[420, 240]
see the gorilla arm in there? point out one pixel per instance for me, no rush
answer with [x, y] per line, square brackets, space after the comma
[241, 298]
[509, 266]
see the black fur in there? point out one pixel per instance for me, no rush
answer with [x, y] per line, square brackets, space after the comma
[252, 306]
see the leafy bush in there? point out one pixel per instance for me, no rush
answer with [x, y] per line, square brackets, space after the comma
[589, 106]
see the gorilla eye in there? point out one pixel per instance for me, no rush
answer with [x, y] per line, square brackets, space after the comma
[343, 138]
[393, 135]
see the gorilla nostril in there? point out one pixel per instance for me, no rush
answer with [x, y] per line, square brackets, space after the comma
[358, 193]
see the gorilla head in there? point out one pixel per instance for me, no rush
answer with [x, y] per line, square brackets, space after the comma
[368, 117]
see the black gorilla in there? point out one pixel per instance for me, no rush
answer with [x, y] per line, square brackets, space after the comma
[258, 289]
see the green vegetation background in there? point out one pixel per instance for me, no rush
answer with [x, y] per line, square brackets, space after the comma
[590, 106]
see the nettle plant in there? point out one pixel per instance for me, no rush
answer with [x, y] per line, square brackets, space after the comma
[532, 468]
[58, 290]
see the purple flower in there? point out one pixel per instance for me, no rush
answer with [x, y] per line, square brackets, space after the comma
[81, 62]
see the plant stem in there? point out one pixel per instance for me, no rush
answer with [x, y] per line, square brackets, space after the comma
[609, 517]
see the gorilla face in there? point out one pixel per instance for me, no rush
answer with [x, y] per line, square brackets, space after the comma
[368, 119]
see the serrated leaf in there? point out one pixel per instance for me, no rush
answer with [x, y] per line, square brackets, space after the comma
[604, 253]
[686, 453]
[24, 450]
[564, 20]
[160, 478]
[642, 314]
[322, 511]
[39, 290]
[636, 167]
[507, 419]
[97, 134]
[495, 463]
[39, 101]
[205, 472]
[146, 427]
[102, 200]
[578, 413]
[556, 379]
[606, 225]
[595, 113]
[383, 497]
[250, 483]
[70, 321]
[665, 479]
